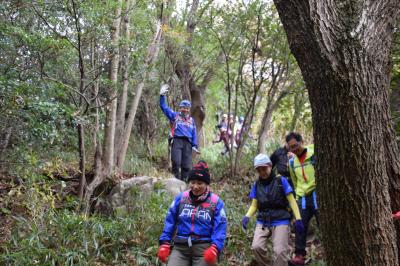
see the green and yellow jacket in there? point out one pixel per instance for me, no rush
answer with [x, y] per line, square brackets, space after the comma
[303, 174]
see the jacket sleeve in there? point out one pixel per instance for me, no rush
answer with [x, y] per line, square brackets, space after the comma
[170, 220]
[253, 208]
[166, 110]
[194, 135]
[293, 205]
[220, 224]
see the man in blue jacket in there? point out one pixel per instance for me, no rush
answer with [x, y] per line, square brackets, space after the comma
[183, 131]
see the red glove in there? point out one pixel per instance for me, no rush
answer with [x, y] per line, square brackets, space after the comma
[396, 215]
[163, 252]
[210, 255]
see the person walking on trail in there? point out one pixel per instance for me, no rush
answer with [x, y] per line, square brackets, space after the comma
[223, 133]
[280, 162]
[302, 172]
[238, 133]
[183, 133]
[271, 196]
[196, 223]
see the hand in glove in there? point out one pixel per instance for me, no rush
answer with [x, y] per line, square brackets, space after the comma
[164, 89]
[163, 252]
[245, 221]
[196, 150]
[396, 215]
[211, 254]
[299, 226]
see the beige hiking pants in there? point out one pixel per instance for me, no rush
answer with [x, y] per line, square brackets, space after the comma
[280, 243]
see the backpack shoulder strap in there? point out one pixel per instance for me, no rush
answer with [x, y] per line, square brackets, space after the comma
[291, 164]
[214, 198]
[185, 196]
[313, 160]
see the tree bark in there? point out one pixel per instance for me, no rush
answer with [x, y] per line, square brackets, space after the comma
[343, 48]
[392, 161]
[395, 103]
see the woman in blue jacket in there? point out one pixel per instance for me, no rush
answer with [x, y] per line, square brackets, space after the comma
[198, 218]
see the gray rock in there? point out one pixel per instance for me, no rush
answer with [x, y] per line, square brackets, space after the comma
[173, 186]
[123, 197]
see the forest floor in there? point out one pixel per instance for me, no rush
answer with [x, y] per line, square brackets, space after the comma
[39, 224]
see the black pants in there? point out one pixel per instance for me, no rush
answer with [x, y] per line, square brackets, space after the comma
[181, 156]
[306, 214]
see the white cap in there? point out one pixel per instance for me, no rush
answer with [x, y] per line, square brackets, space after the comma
[261, 160]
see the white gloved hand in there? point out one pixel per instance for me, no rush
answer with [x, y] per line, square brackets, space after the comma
[164, 89]
[196, 150]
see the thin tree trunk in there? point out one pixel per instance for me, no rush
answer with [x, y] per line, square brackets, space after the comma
[152, 54]
[343, 52]
[80, 126]
[265, 126]
[111, 108]
[198, 112]
[6, 139]
[82, 160]
[267, 117]
[123, 99]
[299, 100]
[97, 180]
[104, 160]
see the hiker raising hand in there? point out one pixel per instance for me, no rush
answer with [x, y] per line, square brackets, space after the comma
[184, 136]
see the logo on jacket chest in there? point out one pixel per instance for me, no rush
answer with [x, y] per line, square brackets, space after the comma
[189, 210]
[187, 122]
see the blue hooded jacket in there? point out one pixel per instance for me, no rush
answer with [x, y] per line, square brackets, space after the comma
[189, 219]
[182, 127]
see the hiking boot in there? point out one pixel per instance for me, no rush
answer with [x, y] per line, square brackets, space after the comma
[298, 260]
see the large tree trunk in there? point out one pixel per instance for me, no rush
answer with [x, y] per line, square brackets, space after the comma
[392, 161]
[395, 103]
[191, 90]
[343, 48]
